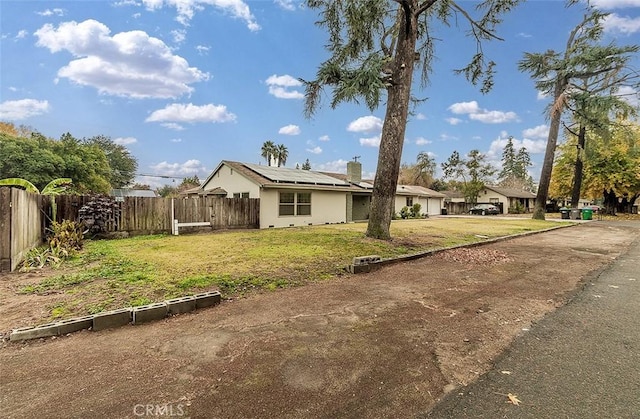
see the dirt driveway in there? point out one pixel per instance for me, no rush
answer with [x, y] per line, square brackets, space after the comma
[385, 344]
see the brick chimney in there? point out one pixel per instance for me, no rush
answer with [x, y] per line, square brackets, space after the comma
[354, 172]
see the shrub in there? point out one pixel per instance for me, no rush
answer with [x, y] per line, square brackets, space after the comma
[404, 213]
[518, 208]
[415, 210]
[66, 236]
[97, 213]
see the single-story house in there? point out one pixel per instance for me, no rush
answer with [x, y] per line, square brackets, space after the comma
[294, 197]
[506, 198]
[198, 191]
[431, 202]
[455, 203]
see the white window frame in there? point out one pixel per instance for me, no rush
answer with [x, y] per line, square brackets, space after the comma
[296, 204]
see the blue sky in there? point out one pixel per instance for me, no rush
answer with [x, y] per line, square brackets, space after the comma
[184, 84]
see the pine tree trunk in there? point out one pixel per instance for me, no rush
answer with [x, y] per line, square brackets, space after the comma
[577, 175]
[547, 166]
[393, 130]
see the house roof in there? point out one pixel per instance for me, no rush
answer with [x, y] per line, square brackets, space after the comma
[282, 177]
[419, 191]
[133, 192]
[199, 191]
[511, 192]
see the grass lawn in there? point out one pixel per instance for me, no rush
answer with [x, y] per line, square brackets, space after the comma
[110, 274]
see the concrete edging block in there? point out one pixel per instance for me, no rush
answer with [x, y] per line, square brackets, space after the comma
[207, 299]
[149, 312]
[181, 305]
[113, 318]
[74, 324]
[42, 331]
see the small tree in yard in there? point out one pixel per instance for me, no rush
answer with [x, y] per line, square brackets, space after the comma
[473, 172]
[375, 46]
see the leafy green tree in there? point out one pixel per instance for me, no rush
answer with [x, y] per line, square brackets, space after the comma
[188, 183]
[122, 164]
[306, 165]
[472, 172]
[29, 158]
[421, 173]
[167, 191]
[375, 46]
[560, 74]
[86, 164]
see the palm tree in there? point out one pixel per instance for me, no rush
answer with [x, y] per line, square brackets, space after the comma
[281, 155]
[269, 151]
[53, 188]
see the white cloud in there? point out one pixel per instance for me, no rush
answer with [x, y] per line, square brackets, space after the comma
[125, 140]
[187, 8]
[281, 87]
[181, 112]
[371, 141]
[615, 4]
[136, 15]
[130, 64]
[482, 115]
[524, 35]
[289, 5]
[203, 49]
[628, 94]
[188, 168]
[453, 121]
[289, 130]
[368, 123]
[315, 150]
[542, 95]
[624, 25]
[13, 110]
[126, 3]
[22, 34]
[336, 166]
[324, 138]
[51, 12]
[421, 117]
[179, 35]
[172, 126]
[422, 141]
[464, 107]
[176, 140]
[541, 131]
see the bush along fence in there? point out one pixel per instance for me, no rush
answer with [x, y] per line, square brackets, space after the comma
[25, 217]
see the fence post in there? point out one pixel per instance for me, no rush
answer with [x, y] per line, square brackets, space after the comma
[5, 229]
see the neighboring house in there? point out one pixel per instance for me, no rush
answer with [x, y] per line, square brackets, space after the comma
[198, 192]
[120, 194]
[506, 198]
[294, 197]
[431, 202]
[455, 203]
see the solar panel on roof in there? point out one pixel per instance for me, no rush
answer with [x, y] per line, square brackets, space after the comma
[279, 174]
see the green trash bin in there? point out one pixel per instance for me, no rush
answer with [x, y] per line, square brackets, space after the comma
[587, 213]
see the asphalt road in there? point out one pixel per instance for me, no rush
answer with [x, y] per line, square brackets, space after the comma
[581, 361]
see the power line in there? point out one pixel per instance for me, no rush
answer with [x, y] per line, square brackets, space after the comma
[161, 176]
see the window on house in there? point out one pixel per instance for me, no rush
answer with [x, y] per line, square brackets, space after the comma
[409, 201]
[494, 200]
[294, 203]
[241, 194]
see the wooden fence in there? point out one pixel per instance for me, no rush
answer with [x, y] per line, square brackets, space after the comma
[22, 223]
[24, 220]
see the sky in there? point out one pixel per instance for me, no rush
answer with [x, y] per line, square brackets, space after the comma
[184, 84]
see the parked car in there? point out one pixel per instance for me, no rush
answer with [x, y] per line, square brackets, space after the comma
[485, 209]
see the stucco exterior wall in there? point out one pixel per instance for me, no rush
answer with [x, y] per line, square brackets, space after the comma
[232, 182]
[486, 197]
[326, 207]
[431, 206]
